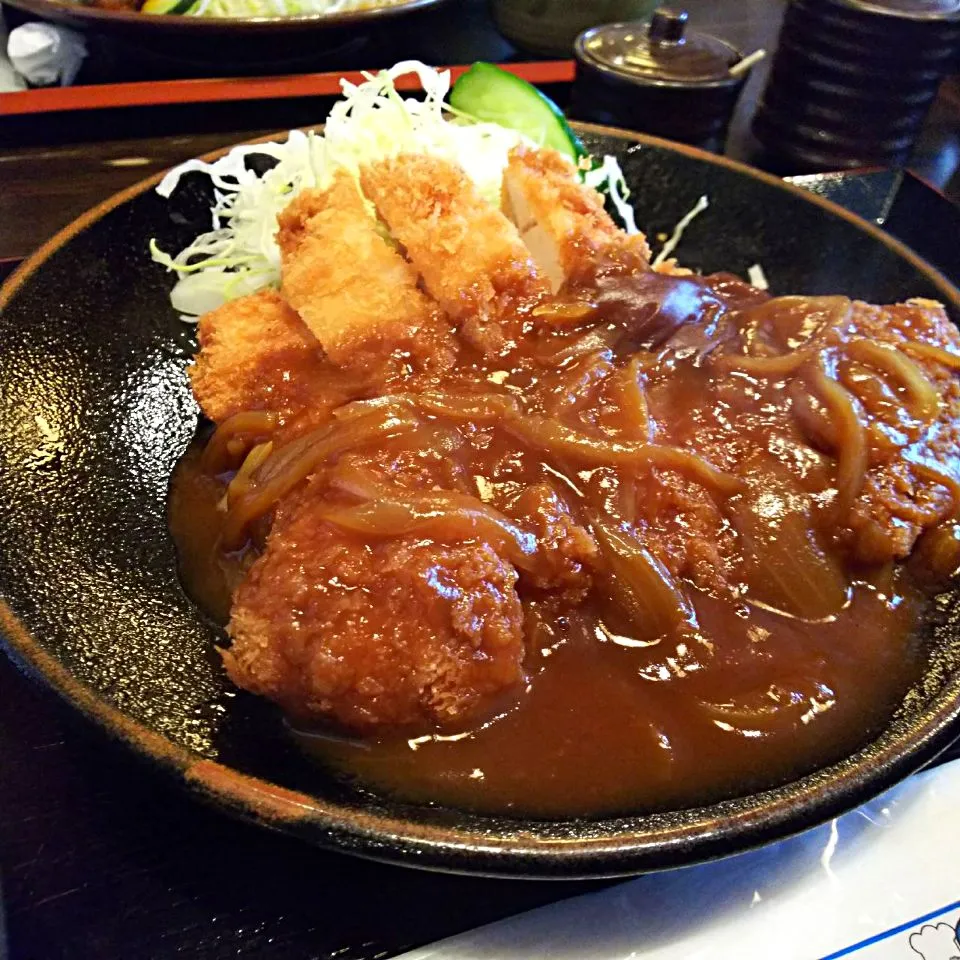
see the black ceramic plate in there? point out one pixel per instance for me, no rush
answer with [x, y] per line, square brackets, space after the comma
[96, 410]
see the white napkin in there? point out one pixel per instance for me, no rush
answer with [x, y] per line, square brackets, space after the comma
[45, 53]
[881, 883]
[10, 80]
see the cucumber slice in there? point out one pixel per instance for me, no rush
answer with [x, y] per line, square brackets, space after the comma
[494, 95]
[167, 6]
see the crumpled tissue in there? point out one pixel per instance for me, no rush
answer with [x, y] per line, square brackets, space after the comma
[45, 54]
[10, 80]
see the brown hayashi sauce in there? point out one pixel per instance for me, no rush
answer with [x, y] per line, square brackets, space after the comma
[735, 616]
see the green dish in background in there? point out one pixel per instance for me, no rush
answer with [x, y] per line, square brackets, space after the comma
[550, 26]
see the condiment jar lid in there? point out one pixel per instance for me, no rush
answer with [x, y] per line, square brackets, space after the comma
[661, 51]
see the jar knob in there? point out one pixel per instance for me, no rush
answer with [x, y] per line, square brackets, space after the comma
[667, 25]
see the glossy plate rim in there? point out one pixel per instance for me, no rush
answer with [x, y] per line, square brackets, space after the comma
[645, 842]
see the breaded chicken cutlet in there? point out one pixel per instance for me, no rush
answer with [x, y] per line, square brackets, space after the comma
[341, 281]
[344, 279]
[562, 222]
[255, 354]
[873, 361]
[912, 479]
[404, 633]
[470, 256]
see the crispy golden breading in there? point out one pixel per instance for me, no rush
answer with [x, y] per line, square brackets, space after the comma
[246, 348]
[670, 268]
[563, 222]
[346, 281]
[402, 632]
[469, 255]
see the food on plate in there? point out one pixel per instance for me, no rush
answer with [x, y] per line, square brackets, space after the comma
[242, 339]
[487, 92]
[503, 517]
[565, 227]
[243, 9]
[341, 275]
[468, 254]
[446, 618]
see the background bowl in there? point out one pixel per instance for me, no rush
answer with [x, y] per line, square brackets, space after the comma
[96, 410]
[227, 41]
[549, 27]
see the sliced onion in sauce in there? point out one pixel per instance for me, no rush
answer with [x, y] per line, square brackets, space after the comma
[391, 511]
[851, 438]
[289, 466]
[785, 567]
[776, 709]
[578, 387]
[481, 408]
[938, 474]
[929, 352]
[923, 400]
[641, 585]
[633, 399]
[559, 312]
[233, 439]
[559, 439]
[789, 323]
[240, 483]
[777, 365]
[394, 403]
[600, 338]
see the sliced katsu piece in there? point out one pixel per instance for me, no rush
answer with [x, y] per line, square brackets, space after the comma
[563, 222]
[348, 283]
[470, 256]
[255, 354]
[409, 633]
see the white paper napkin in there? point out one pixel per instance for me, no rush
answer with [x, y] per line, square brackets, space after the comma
[46, 53]
[881, 883]
[10, 80]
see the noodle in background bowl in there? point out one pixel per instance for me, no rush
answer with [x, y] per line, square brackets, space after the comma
[97, 410]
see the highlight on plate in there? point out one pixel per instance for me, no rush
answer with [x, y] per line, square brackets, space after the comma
[502, 516]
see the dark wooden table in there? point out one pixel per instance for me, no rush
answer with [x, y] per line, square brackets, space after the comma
[98, 857]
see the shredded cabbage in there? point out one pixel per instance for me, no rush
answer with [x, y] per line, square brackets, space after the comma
[608, 174]
[673, 241]
[239, 254]
[757, 278]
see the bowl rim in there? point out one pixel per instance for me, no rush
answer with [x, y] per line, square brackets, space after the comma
[74, 11]
[641, 843]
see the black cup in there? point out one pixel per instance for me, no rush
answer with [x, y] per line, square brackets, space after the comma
[852, 81]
